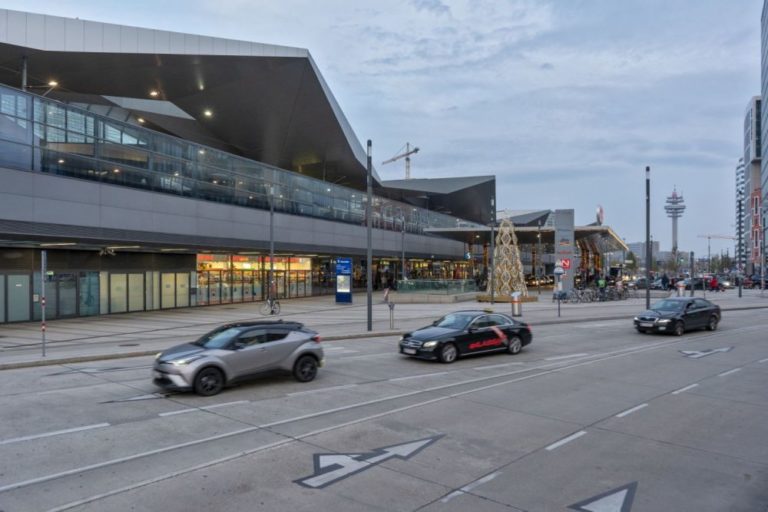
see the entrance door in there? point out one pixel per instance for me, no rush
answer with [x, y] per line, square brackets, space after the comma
[18, 298]
[67, 295]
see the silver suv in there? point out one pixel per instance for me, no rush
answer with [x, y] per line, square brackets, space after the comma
[235, 351]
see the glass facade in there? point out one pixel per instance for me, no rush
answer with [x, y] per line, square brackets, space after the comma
[44, 135]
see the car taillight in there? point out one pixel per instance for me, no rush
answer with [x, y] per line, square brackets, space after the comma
[316, 338]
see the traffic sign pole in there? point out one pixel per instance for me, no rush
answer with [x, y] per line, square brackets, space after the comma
[43, 265]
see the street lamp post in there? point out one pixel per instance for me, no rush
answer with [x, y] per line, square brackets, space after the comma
[539, 258]
[369, 246]
[648, 254]
[763, 210]
[271, 283]
[741, 249]
[402, 247]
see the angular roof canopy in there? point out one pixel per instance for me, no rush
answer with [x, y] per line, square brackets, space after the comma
[267, 103]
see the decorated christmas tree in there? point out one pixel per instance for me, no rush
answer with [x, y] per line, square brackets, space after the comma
[509, 276]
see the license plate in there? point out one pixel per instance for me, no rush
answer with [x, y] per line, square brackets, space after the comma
[411, 351]
[646, 324]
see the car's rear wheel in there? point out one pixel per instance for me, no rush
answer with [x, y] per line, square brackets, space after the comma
[679, 329]
[209, 381]
[515, 344]
[305, 369]
[448, 353]
[712, 324]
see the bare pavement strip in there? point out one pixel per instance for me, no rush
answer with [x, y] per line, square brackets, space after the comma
[84, 339]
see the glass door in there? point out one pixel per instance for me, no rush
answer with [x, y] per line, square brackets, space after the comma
[67, 295]
[18, 298]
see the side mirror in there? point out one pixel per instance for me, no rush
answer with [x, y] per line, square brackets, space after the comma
[238, 345]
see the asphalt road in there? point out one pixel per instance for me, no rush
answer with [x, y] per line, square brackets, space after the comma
[591, 417]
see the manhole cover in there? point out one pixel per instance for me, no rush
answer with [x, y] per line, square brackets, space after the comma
[128, 345]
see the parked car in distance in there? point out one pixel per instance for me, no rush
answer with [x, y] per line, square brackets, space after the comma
[725, 282]
[466, 333]
[679, 314]
[235, 351]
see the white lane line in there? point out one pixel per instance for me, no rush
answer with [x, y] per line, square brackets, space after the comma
[729, 372]
[320, 390]
[206, 408]
[489, 367]
[763, 360]
[397, 379]
[565, 440]
[330, 349]
[564, 357]
[682, 390]
[630, 411]
[54, 433]
[467, 488]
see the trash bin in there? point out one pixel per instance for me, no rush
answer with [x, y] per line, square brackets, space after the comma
[517, 304]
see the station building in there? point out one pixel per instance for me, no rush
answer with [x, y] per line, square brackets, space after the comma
[145, 163]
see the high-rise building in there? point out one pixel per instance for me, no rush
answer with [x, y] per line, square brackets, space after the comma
[752, 185]
[740, 209]
[674, 207]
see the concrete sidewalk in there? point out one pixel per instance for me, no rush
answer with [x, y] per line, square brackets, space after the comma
[138, 334]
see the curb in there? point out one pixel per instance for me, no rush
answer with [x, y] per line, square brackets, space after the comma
[373, 334]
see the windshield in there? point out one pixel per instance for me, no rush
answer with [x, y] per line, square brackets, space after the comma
[454, 321]
[218, 338]
[669, 305]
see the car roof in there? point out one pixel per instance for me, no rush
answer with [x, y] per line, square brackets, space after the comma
[476, 312]
[265, 323]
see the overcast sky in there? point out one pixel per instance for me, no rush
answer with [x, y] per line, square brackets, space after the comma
[565, 101]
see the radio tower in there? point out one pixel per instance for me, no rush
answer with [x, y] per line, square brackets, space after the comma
[675, 209]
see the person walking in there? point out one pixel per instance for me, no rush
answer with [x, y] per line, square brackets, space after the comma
[665, 281]
[601, 286]
[714, 286]
[388, 282]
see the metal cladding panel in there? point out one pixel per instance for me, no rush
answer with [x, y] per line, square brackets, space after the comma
[129, 39]
[94, 37]
[162, 42]
[17, 28]
[177, 43]
[219, 46]
[74, 37]
[35, 31]
[205, 45]
[3, 25]
[55, 32]
[145, 40]
[191, 44]
[111, 39]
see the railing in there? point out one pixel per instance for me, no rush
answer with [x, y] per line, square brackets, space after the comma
[437, 286]
[44, 135]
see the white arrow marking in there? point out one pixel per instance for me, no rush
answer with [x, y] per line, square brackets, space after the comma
[332, 467]
[615, 500]
[695, 354]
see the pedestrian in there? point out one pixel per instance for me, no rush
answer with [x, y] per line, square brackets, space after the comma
[665, 281]
[714, 285]
[387, 281]
[601, 286]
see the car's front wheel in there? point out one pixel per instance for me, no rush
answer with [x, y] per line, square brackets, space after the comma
[679, 329]
[712, 324]
[448, 353]
[209, 381]
[515, 344]
[305, 369]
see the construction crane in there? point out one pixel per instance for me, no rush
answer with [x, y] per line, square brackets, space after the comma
[407, 155]
[709, 238]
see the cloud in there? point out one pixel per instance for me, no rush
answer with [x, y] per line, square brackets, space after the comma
[433, 6]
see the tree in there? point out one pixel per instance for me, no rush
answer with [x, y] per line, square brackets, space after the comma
[632, 259]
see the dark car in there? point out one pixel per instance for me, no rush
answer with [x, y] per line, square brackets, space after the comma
[677, 315]
[466, 333]
[236, 351]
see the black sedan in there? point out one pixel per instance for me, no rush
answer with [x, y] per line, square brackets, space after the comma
[679, 314]
[466, 333]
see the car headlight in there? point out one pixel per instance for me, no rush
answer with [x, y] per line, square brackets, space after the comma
[664, 321]
[185, 361]
[637, 319]
[157, 356]
[429, 344]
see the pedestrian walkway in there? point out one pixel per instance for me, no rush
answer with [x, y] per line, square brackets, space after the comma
[135, 334]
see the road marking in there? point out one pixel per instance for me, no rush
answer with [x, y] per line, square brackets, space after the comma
[54, 433]
[615, 500]
[320, 390]
[504, 365]
[686, 388]
[729, 372]
[763, 360]
[334, 467]
[329, 349]
[564, 357]
[565, 440]
[696, 354]
[467, 488]
[206, 408]
[397, 379]
[630, 411]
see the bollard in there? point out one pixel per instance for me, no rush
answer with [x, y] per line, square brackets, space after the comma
[680, 288]
[391, 316]
[517, 304]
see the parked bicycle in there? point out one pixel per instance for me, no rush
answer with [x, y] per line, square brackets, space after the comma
[270, 307]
